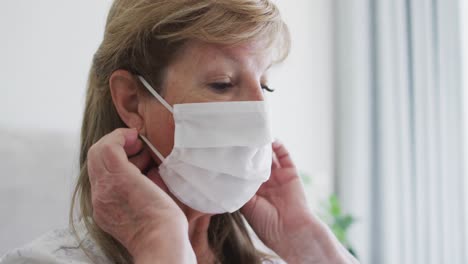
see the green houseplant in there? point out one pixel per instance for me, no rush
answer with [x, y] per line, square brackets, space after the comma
[339, 222]
[333, 215]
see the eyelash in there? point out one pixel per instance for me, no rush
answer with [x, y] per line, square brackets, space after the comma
[224, 86]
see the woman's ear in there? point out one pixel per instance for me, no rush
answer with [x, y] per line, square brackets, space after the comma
[126, 98]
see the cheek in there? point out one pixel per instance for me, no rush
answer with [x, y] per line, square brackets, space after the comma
[159, 128]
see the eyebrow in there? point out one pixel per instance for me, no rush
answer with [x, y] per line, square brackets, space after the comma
[233, 58]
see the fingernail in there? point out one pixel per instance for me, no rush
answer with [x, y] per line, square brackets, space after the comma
[276, 143]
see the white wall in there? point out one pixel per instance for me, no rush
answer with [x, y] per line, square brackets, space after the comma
[46, 49]
[302, 105]
[45, 53]
[464, 45]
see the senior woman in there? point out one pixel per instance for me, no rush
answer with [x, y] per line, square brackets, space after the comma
[177, 159]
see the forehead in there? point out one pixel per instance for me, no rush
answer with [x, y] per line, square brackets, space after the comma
[205, 55]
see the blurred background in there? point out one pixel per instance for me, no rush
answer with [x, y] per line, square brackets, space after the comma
[370, 104]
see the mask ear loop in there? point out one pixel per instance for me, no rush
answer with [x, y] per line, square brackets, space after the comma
[148, 143]
[165, 104]
[155, 94]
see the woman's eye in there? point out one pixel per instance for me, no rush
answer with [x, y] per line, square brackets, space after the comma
[268, 89]
[221, 87]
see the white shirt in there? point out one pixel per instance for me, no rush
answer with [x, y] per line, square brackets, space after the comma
[58, 246]
[61, 247]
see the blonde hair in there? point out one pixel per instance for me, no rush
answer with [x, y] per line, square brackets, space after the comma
[143, 36]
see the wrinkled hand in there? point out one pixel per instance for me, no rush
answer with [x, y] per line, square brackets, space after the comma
[280, 216]
[129, 205]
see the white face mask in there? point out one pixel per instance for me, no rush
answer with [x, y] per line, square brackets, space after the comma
[222, 153]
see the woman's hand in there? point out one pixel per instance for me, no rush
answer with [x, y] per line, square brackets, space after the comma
[279, 215]
[130, 206]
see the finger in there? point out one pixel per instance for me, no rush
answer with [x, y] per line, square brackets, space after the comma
[111, 148]
[275, 163]
[282, 154]
[141, 160]
[133, 149]
[123, 137]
